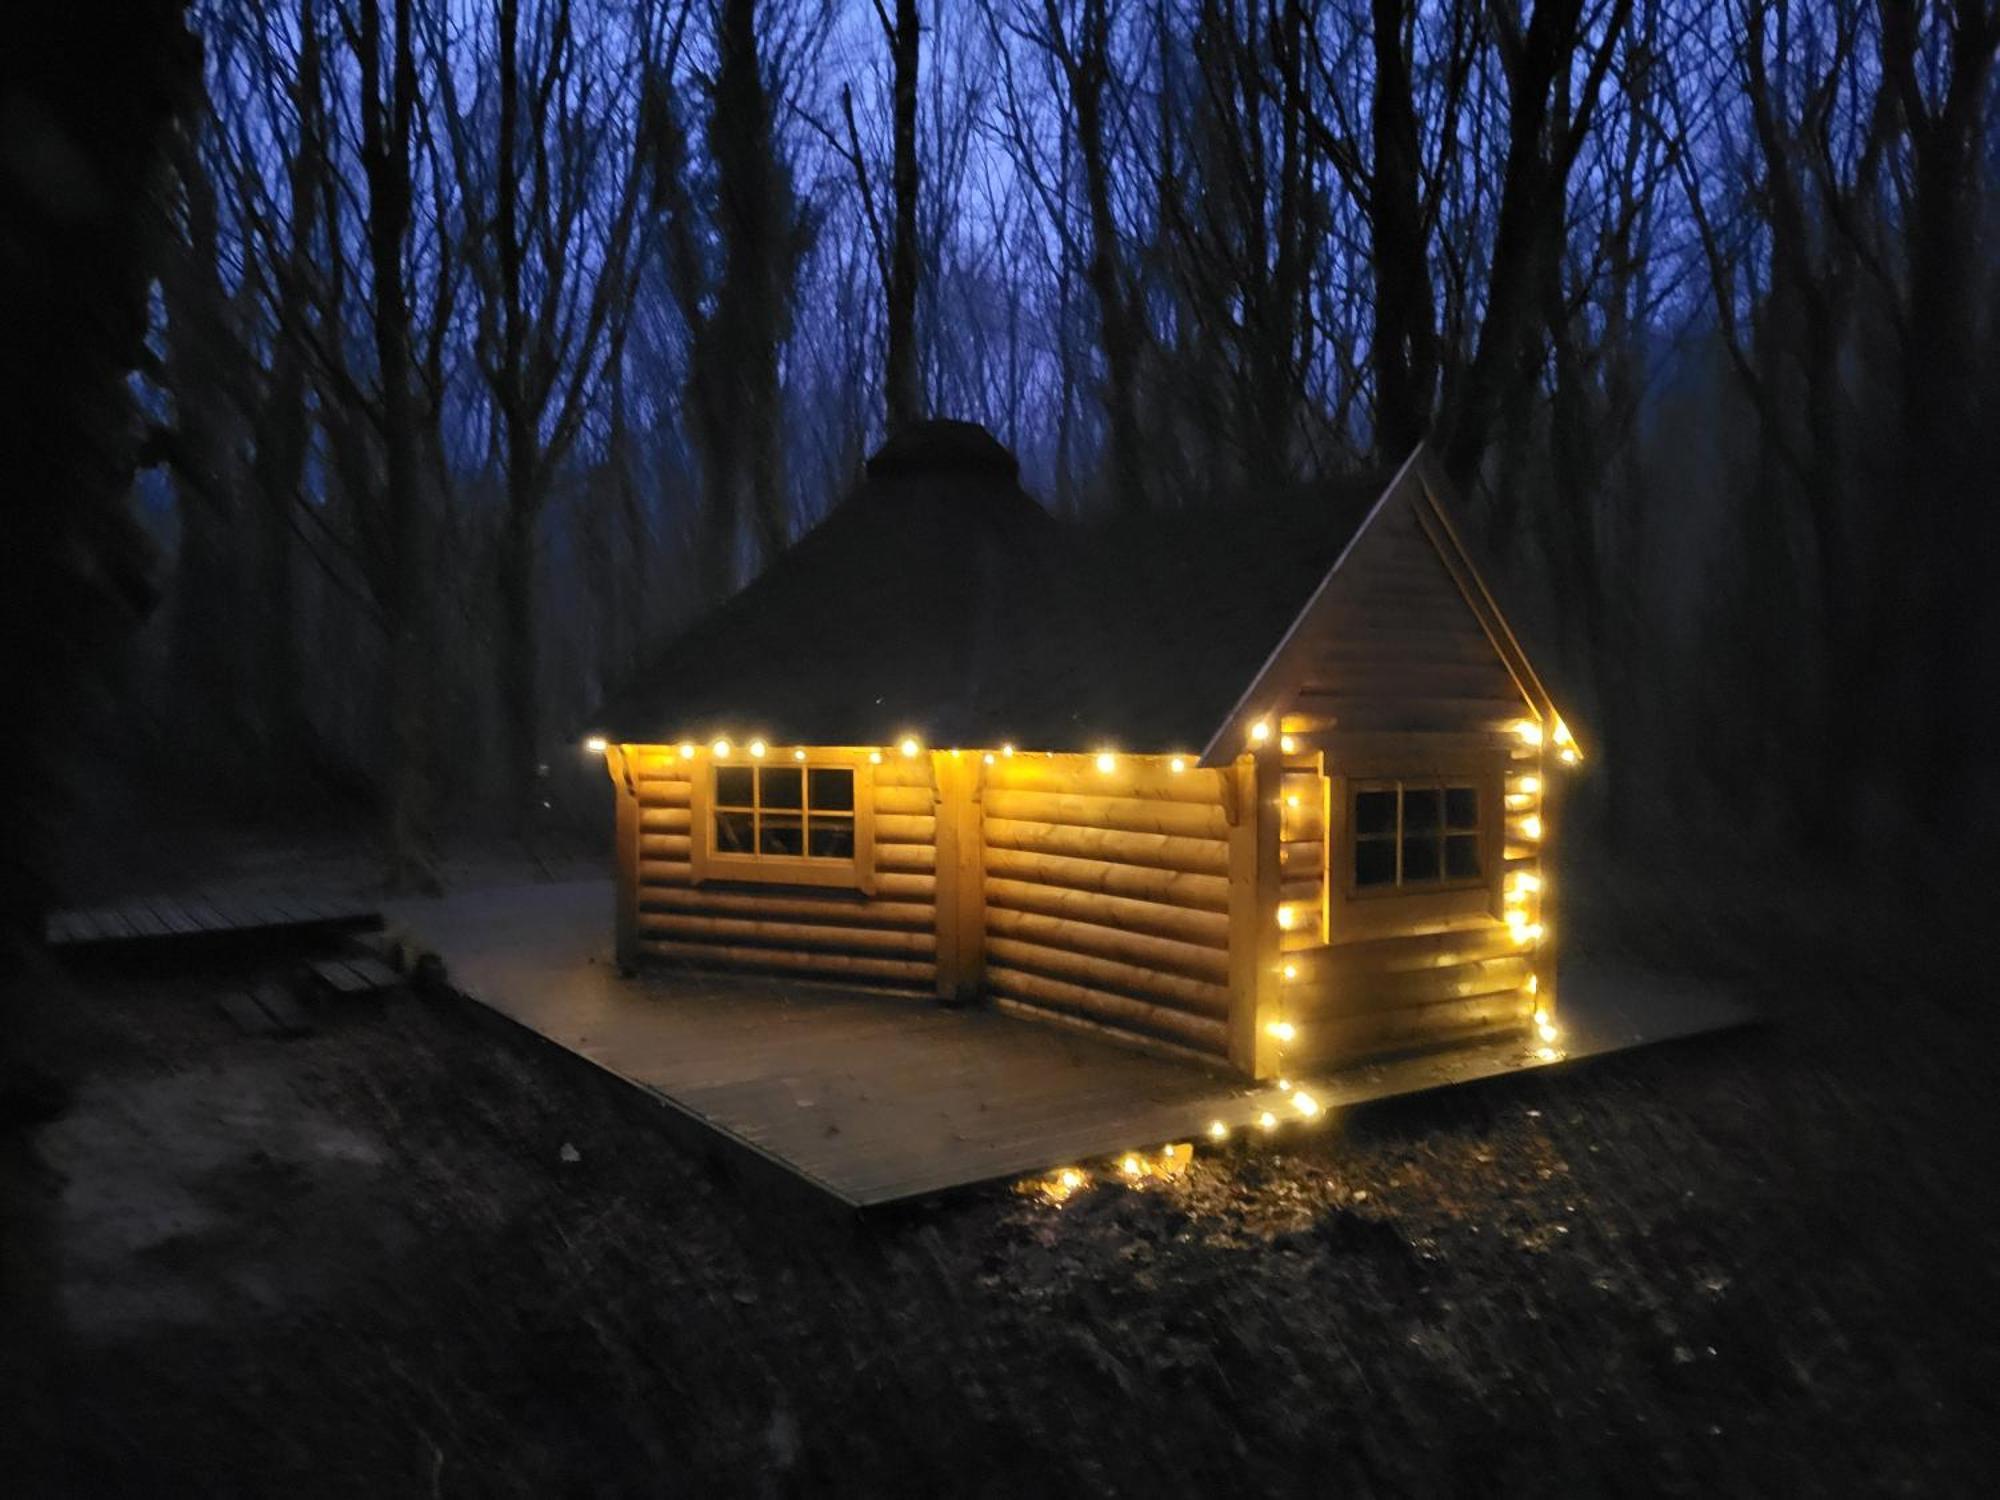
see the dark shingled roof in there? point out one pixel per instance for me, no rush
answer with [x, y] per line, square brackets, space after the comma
[938, 599]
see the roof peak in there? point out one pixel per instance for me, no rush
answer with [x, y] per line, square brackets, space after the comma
[942, 445]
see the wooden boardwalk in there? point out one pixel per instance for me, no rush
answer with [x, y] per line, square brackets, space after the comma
[198, 917]
[874, 1100]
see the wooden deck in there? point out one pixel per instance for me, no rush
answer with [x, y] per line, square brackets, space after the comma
[206, 917]
[874, 1100]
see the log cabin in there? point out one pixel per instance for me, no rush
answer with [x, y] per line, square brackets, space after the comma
[1274, 786]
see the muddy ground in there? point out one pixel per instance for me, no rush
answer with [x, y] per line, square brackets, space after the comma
[405, 1256]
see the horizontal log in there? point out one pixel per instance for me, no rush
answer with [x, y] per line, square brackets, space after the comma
[1141, 777]
[914, 858]
[781, 960]
[1208, 929]
[913, 801]
[1151, 850]
[1143, 950]
[665, 872]
[1301, 857]
[1177, 888]
[1449, 942]
[904, 771]
[1102, 973]
[663, 820]
[902, 828]
[1120, 1012]
[664, 793]
[1414, 715]
[674, 846]
[1300, 892]
[1126, 814]
[1361, 993]
[789, 906]
[891, 885]
[660, 762]
[815, 937]
[1124, 1036]
[1302, 824]
[1349, 1039]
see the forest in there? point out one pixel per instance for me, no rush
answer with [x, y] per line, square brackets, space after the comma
[467, 349]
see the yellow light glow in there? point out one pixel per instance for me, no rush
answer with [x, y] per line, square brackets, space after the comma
[1569, 756]
[1546, 1028]
[1523, 881]
[1534, 983]
[1291, 799]
[720, 749]
[1217, 1131]
[1515, 897]
[874, 757]
[595, 744]
[1529, 731]
[1527, 786]
[1131, 1166]
[989, 757]
[1290, 971]
[1531, 826]
[1305, 1104]
[1287, 744]
[1285, 918]
[1562, 733]
[1284, 1085]
[1007, 750]
[1070, 1178]
[1547, 1054]
[687, 752]
[1284, 1031]
[1259, 732]
[757, 748]
[1268, 1120]
[909, 745]
[798, 755]
[1177, 765]
[1107, 762]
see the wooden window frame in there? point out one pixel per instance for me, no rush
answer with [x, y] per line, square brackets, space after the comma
[1400, 786]
[1359, 913]
[709, 864]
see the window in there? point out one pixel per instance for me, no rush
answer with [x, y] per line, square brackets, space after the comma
[1415, 834]
[784, 812]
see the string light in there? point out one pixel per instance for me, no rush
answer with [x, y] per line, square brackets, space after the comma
[1528, 785]
[909, 745]
[1547, 1054]
[1529, 731]
[1217, 1131]
[1177, 765]
[1259, 732]
[1568, 755]
[798, 755]
[1290, 971]
[874, 757]
[1292, 799]
[1268, 1120]
[1284, 1031]
[1305, 1104]
[595, 744]
[1531, 826]
[721, 749]
[1107, 762]
[1545, 1027]
[1287, 744]
[1131, 1166]
[1007, 750]
[989, 757]
[1534, 983]
[1523, 881]
[757, 748]
[1285, 918]
[687, 752]
[1070, 1178]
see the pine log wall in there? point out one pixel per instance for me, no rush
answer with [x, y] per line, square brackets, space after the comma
[888, 937]
[1107, 894]
[1401, 681]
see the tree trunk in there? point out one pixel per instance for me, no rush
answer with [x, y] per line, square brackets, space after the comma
[905, 376]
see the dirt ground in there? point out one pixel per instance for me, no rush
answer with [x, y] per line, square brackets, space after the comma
[404, 1256]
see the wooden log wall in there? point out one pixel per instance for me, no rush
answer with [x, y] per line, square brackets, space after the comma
[1107, 894]
[888, 937]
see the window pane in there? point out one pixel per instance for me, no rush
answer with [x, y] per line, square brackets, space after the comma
[833, 838]
[1375, 860]
[831, 789]
[1374, 812]
[1461, 807]
[1423, 806]
[733, 786]
[783, 833]
[1461, 856]
[733, 832]
[1420, 859]
[781, 786]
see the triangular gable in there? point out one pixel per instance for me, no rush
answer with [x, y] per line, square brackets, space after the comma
[1421, 491]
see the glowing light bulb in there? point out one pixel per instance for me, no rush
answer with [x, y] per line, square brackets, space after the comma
[1177, 765]
[595, 744]
[757, 748]
[1568, 755]
[1284, 1085]
[989, 757]
[1107, 762]
[1529, 731]
[1534, 932]
[1217, 1131]
[1527, 786]
[909, 745]
[1547, 1054]
[1531, 826]
[720, 749]
[1291, 799]
[874, 757]
[1007, 750]
[1534, 984]
[1287, 744]
[1285, 918]
[1546, 1028]
[1130, 1166]
[1259, 732]
[1069, 1177]
[1526, 882]
[1290, 971]
[798, 755]
[1268, 1120]
[1305, 1104]
[1562, 733]
[687, 752]
[1284, 1031]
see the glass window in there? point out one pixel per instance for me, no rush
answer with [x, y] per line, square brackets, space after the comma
[1414, 834]
[785, 812]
